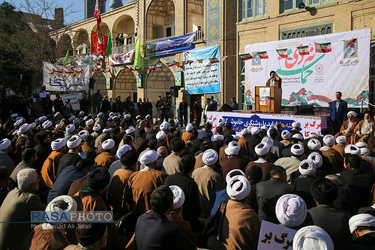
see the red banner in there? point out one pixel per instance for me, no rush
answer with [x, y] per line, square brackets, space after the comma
[95, 50]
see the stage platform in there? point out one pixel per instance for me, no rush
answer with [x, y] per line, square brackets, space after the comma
[247, 118]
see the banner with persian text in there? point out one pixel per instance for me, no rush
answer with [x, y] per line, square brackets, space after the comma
[241, 121]
[202, 75]
[60, 78]
[170, 45]
[313, 75]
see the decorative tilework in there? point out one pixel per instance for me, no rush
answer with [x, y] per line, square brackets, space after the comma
[213, 19]
[213, 31]
[213, 3]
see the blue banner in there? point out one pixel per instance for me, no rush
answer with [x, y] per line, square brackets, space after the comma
[202, 75]
[169, 46]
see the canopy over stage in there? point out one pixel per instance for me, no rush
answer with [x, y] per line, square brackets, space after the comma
[243, 119]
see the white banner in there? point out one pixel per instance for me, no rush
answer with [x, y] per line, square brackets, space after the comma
[316, 77]
[203, 74]
[243, 120]
[121, 58]
[274, 237]
[74, 99]
[60, 78]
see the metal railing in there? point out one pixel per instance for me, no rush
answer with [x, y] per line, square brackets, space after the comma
[199, 36]
[123, 49]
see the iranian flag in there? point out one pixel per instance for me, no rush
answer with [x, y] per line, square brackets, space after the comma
[263, 54]
[200, 60]
[213, 60]
[159, 66]
[246, 56]
[303, 50]
[171, 64]
[131, 68]
[151, 67]
[282, 53]
[323, 47]
[354, 40]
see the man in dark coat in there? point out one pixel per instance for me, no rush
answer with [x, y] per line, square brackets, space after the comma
[67, 177]
[268, 192]
[191, 209]
[358, 180]
[183, 112]
[338, 112]
[324, 215]
[362, 226]
[161, 234]
[253, 141]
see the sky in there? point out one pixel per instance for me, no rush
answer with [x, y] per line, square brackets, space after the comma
[71, 18]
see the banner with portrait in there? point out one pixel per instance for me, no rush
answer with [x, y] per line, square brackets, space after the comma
[60, 78]
[313, 68]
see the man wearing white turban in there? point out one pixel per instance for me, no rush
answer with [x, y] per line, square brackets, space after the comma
[340, 145]
[233, 160]
[334, 157]
[312, 238]
[188, 135]
[291, 163]
[240, 224]
[291, 210]
[51, 236]
[144, 182]
[108, 157]
[362, 227]
[303, 183]
[207, 180]
[347, 127]
[262, 151]
[5, 149]
[51, 164]
[118, 190]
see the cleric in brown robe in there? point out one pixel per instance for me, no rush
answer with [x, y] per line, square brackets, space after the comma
[274, 80]
[347, 128]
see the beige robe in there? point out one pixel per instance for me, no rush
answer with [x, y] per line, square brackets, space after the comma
[141, 185]
[208, 181]
[355, 138]
[240, 227]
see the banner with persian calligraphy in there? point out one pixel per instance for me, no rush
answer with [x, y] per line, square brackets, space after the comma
[201, 76]
[121, 58]
[273, 236]
[241, 121]
[59, 78]
[313, 77]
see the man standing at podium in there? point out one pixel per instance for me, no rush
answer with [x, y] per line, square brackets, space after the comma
[274, 80]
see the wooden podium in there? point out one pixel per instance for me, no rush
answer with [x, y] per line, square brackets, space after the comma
[268, 99]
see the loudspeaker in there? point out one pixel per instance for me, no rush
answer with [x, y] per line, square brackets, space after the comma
[226, 108]
[304, 110]
[301, 6]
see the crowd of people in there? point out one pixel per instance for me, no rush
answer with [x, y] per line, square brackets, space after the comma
[173, 188]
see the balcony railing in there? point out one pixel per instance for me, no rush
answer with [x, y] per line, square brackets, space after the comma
[123, 49]
[199, 35]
